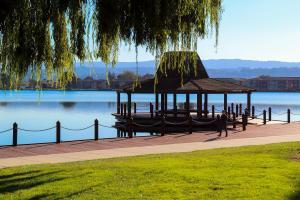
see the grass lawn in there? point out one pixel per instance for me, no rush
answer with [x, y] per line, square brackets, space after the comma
[257, 172]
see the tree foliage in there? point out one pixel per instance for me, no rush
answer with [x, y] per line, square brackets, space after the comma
[53, 34]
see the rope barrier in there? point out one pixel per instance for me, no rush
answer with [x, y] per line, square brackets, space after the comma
[295, 113]
[6, 130]
[203, 123]
[79, 129]
[177, 124]
[279, 113]
[146, 125]
[41, 130]
[105, 126]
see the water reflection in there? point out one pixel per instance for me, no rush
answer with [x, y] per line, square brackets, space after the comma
[3, 104]
[68, 105]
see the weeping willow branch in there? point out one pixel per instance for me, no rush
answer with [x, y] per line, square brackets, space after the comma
[48, 36]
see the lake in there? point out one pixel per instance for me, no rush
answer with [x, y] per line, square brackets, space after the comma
[78, 109]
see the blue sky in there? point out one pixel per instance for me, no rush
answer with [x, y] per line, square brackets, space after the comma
[249, 29]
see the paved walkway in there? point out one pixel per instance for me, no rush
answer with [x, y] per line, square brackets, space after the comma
[110, 148]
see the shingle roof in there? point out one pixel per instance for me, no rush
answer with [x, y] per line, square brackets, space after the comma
[169, 79]
[210, 85]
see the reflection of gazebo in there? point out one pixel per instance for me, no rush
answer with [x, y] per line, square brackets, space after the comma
[171, 79]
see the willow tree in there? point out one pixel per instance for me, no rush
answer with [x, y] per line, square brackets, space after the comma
[50, 35]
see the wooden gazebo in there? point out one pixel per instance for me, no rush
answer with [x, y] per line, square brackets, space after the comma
[170, 79]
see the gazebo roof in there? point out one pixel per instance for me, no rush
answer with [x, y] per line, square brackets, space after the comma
[172, 77]
[210, 85]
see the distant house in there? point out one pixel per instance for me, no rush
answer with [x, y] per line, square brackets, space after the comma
[266, 83]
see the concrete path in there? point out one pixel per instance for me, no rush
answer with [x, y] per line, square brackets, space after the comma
[142, 150]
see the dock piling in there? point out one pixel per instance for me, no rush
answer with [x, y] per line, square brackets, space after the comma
[253, 112]
[233, 120]
[241, 109]
[244, 123]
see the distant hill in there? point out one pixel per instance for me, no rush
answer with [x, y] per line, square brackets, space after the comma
[223, 68]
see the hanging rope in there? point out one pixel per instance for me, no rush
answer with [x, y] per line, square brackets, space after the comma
[39, 130]
[178, 123]
[6, 130]
[203, 123]
[146, 125]
[79, 129]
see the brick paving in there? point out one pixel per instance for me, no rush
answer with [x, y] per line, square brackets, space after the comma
[253, 131]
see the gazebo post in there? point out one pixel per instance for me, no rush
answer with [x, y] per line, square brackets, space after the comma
[162, 102]
[187, 102]
[118, 102]
[166, 101]
[129, 104]
[225, 101]
[199, 104]
[205, 104]
[156, 101]
[174, 101]
[248, 101]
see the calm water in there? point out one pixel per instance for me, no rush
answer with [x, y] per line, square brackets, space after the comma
[78, 109]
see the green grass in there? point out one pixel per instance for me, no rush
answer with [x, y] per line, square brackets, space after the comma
[257, 172]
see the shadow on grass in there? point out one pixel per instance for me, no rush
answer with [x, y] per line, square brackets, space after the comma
[27, 180]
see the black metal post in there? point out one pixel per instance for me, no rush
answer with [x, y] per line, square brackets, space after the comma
[130, 129]
[156, 101]
[233, 120]
[232, 108]
[228, 112]
[166, 101]
[151, 110]
[190, 124]
[241, 109]
[121, 109]
[187, 101]
[134, 107]
[270, 114]
[265, 116]
[118, 102]
[249, 100]
[213, 111]
[244, 123]
[253, 112]
[236, 110]
[205, 105]
[125, 109]
[288, 116]
[129, 104]
[163, 125]
[175, 102]
[96, 129]
[162, 103]
[225, 102]
[15, 134]
[58, 132]
[199, 105]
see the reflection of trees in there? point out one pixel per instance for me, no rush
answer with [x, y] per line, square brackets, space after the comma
[68, 105]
